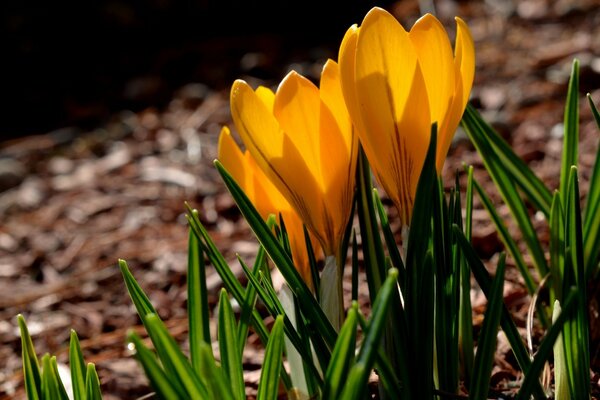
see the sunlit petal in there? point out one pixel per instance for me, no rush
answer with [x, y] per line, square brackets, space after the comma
[274, 152]
[232, 158]
[464, 53]
[296, 108]
[437, 64]
[394, 104]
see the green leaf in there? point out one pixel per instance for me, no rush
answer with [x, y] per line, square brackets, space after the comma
[591, 225]
[342, 357]
[576, 331]
[171, 356]
[52, 387]
[390, 240]
[372, 248]
[92, 384]
[229, 280]
[159, 380]
[78, 368]
[465, 327]
[356, 382]
[282, 260]
[268, 386]
[197, 304]
[496, 153]
[506, 182]
[486, 348]
[571, 131]
[171, 360]
[248, 306]
[419, 289]
[557, 247]
[355, 267]
[218, 386]
[231, 355]
[31, 366]
[138, 297]
[268, 296]
[507, 239]
[508, 325]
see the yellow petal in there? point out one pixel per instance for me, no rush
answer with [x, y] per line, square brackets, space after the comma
[464, 54]
[395, 107]
[296, 108]
[464, 70]
[232, 159]
[276, 154]
[338, 149]
[437, 64]
[347, 62]
[267, 96]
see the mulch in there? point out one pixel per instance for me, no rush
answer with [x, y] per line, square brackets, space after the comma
[73, 202]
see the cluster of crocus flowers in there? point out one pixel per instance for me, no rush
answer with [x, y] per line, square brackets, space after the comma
[266, 198]
[302, 138]
[396, 85]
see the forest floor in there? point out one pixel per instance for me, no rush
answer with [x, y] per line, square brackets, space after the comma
[72, 202]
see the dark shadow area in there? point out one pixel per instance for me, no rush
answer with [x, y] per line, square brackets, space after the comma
[73, 63]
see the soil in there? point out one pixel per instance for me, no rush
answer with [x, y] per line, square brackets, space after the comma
[76, 198]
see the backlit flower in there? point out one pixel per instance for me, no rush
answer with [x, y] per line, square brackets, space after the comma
[302, 138]
[396, 84]
[265, 197]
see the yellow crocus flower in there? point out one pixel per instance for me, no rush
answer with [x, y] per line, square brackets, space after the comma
[396, 84]
[302, 138]
[266, 198]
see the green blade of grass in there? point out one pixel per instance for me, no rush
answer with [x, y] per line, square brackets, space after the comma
[217, 385]
[465, 317]
[571, 131]
[591, 225]
[197, 304]
[92, 383]
[274, 307]
[342, 357]
[218, 261]
[372, 248]
[557, 247]
[486, 347]
[159, 380]
[310, 307]
[396, 383]
[248, 306]
[78, 369]
[355, 267]
[171, 356]
[31, 365]
[508, 325]
[268, 386]
[507, 239]
[446, 291]
[506, 184]
[145, 308]
[576, 331]
[480, 132]
[356, 383]
[52, 386]
[231, 355]
[418, 291]
[388, 235]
